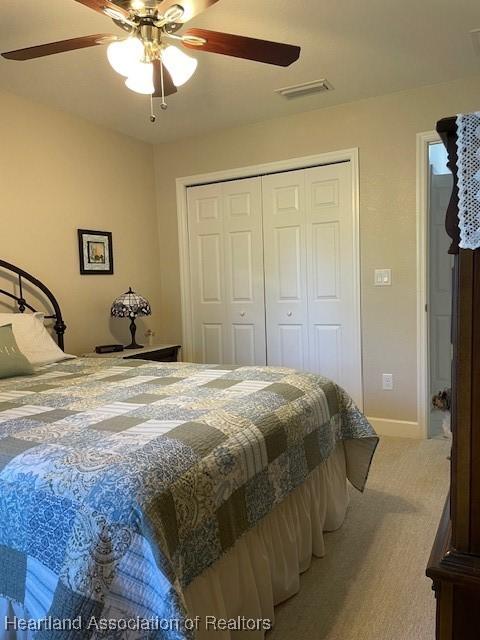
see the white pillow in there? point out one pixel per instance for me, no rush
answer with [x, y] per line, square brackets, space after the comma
[33, 339]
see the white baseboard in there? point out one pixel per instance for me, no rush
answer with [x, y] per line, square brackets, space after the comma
[397, 428]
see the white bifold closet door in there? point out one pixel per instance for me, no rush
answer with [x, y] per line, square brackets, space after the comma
[226, 269]
[310, 273]
[273, 267]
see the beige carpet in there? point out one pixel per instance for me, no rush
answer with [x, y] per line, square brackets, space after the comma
[371, 585]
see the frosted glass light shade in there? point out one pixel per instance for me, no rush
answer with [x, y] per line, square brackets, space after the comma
[125, 55]
[140, 79]
[180, 66]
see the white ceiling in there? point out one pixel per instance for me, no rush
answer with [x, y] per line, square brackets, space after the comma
[363, 47]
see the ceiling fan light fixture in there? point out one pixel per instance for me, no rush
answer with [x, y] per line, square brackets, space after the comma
[180, 66]
[124, 56]
[148, 63]
[140, 79]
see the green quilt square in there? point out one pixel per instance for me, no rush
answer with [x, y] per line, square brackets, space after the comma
[13, 572]
[287, 391]
[6, 406]
[38, 388]
[163, 519]
[67, 605]
[312, 450]
[13, 447]
[199, 436]
[232, 518]
[274, 434]
[165, 382]
[145, 398]
[331, 394]
[55, 415]
[221, 383]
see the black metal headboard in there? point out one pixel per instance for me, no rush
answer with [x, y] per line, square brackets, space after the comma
[59, 326]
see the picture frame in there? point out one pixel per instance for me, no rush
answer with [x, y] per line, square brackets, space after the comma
[95, 252]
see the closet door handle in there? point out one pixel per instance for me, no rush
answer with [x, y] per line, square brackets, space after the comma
[243, 314]
[289, 314]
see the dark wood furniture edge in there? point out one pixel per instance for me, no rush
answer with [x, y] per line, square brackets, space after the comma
[454, 564]
[165, 351]
[441, 545]
[59, 326]
[446, 563]
[447, 130]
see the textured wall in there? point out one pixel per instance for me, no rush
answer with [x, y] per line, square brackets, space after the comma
[59, 173]
[384, 129]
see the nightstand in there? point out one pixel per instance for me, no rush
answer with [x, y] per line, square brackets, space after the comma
[156, 353]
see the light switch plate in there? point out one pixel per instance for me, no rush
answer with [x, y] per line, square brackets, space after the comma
[383, 277]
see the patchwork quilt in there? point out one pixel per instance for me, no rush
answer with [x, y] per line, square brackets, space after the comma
[122, 480]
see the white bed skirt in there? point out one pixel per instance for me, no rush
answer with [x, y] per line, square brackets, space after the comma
[263, 568]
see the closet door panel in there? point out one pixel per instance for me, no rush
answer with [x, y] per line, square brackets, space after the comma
[288, 256]
[209, 253]
[331, 275]
[212, 343]
[240, 252]
[244, 351]
[205, 225]
[327, 350]
[226, 259]
[285, 269]
[326, 271]
[242, 205]
[290, 346]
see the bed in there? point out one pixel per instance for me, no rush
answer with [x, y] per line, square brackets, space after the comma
[167, 500]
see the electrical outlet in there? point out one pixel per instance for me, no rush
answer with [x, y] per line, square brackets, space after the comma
[387, 381]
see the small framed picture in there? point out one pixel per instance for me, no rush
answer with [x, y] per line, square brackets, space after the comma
[96, 252]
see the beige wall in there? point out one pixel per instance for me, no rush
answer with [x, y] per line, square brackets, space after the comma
[384, 129]
[59, 173]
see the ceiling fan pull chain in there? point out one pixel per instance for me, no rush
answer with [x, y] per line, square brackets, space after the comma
[163, 104]
[153, 117]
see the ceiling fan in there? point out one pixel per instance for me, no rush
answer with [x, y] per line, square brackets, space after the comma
[147, 56]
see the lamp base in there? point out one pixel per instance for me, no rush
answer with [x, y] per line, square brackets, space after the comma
[133, 330]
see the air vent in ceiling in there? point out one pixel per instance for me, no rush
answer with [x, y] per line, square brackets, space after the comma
[305, 89]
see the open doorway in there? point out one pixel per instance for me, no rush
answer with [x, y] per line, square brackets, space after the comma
[439, 285]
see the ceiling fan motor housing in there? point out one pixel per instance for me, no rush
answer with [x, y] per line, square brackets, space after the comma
[150, 34]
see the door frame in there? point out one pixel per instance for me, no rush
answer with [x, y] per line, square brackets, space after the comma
[292, 164]
[424, 140]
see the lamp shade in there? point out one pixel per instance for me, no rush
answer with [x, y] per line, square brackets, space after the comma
[130, 305]
[140, 78]
[180, 66]
[125, 55]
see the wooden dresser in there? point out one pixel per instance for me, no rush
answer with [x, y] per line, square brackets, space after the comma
[454, 564]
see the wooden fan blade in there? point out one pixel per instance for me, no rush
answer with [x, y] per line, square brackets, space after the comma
[168, 86]
[101, 5]
[227, 44]
[191, 8]
[59, 47]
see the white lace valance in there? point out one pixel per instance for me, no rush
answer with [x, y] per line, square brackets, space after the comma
[468, 146]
